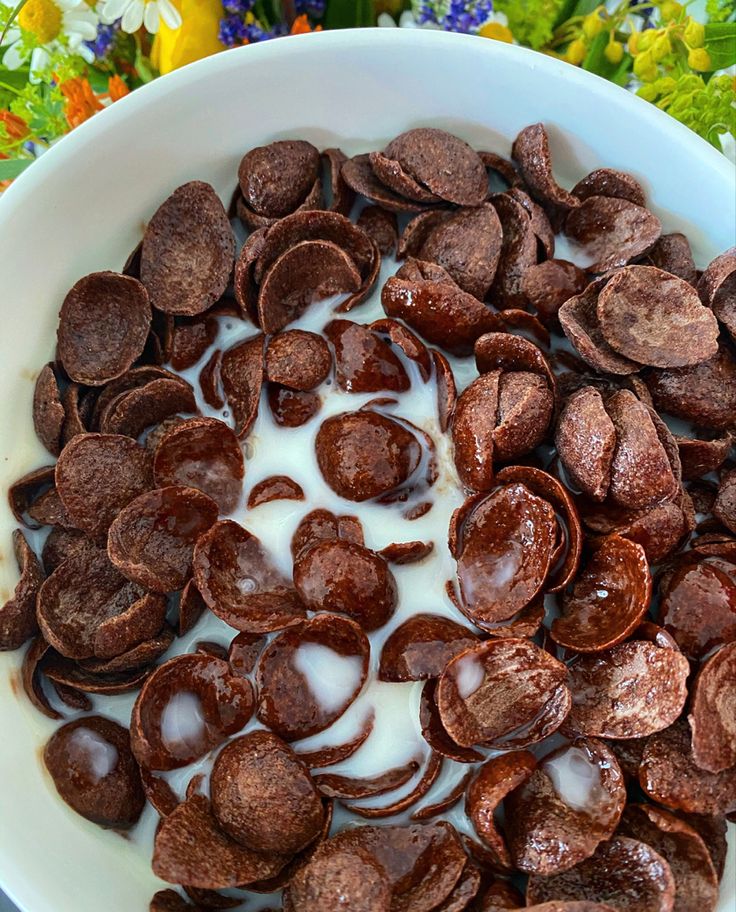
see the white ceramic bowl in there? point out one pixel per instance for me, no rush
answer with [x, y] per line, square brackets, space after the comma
[82, 206]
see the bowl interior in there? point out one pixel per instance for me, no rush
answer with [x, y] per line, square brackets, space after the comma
[82, 208]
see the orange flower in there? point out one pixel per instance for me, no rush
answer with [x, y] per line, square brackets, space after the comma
[81, 101]
[15, 127]
[116, 88]
[301, 26]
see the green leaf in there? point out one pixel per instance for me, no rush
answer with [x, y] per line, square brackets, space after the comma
[10, 168]
[720, 43]
[349, 14]
[13, 79]
[583, 7]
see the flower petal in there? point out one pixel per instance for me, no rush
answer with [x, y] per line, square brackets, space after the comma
[15, 56]
[151, 17]
[133, 16]
[169, 13]
[114, 9]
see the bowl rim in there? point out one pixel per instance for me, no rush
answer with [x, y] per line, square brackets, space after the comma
[266, 54]
[75, 141]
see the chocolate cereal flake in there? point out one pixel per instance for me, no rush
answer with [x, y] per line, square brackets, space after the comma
[94, 771]
[188, 251]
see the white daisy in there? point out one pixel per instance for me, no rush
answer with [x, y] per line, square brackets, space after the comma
[136, 13]
[52, 25]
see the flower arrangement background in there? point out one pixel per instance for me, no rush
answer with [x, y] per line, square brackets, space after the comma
[62, 61]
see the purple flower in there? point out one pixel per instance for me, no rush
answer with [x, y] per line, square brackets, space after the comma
[106, 35]
[457, 16]
[314, 8]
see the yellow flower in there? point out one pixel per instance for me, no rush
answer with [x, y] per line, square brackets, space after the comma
[42, 18]
[576, 52]
[195, 38]
[699, 59]
[497, 31]
[694, 34]
[661, 47]
[670, 10]
[592, 25]
[614, 52]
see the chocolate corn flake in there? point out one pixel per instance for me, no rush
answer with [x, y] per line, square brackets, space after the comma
[672, 253]
[532, 154]
[670, 776]
[99, 474]
[497, 576]
[322, 757]
[699, 457]
[285, 702]
[392, 175]
[468, 245]
[609, 182]
[473, 431]
[364, 362]
[94, 771]
[292, 408]
[103, 325]
[132, 412]
[81, 594]
[307, 272]
[550, 827]
[612, 231]
[151, 541]
[724, 506]
[340, 875]
[697, 604]
[442, 163]
[656, 319]
[434, 732]
[187, 684]
[276, 487]
[623, 871]
[239, 582]
[347, 578]
[381, 226]
[717, 289]
[365, 454]
[48, 412]
[275, 179]
[359, 175]
[421, 647]
[18, 615]
[633, 690]
[201, 453]
[546, 286]
[333, 785]
[298, 359]
[342, 196]
[188, 251]
[495, 780]
[241, 372]
[518, 251]
[704, 393]
[608, 600]
[712, 720]
[263, 795]
[696, 882]
[502, 693]
[429, 776]
[190, 848]
[578, 317]
[425, 296]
